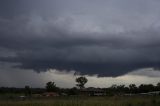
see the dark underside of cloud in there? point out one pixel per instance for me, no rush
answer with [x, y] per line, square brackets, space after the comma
[78, 42]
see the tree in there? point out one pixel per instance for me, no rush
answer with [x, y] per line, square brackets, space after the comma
[121, 89]
[133, 88]
[27, 91]
[51, 87]
[146, 88]
[73, 91]
[81, 81]
[158, 86]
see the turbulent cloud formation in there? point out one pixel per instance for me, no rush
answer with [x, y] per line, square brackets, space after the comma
[104, 37]
[21, 77]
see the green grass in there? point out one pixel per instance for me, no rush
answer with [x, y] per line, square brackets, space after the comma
[86, 101]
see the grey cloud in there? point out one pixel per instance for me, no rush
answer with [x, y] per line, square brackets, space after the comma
[150, 72]
[88, 40]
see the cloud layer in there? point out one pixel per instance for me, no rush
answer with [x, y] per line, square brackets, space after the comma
[108, 37]
[15, 77]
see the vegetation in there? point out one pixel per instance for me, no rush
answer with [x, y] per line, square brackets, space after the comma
[115, 95]
[87, 101]
[81, 81]
[110, 91]
[51, 87]
[28, 91]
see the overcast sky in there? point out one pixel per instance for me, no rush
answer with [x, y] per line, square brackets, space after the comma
[102, 39]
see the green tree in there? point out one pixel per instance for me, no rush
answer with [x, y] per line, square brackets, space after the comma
[51, 87]
[133, 88]
[81, 81]
[73, 91]
[158, 86]
[28, 90]
[143, 88]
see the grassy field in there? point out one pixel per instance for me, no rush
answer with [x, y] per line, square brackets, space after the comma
[86, 101]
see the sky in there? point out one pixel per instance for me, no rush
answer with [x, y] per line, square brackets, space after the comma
[108, 41]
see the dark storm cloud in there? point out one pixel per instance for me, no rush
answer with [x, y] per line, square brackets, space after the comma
[92, 38]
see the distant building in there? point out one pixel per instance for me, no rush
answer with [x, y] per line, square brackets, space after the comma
[36, 95]
[151, 93]
[50, 94]
[92, 92]
[147, 93]
[22, 97]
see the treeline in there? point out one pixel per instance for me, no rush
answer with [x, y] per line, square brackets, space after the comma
[113, 90]
[9, 90]
[132, 89]
[81, 81]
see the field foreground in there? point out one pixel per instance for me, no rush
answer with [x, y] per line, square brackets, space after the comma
[86, 101]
